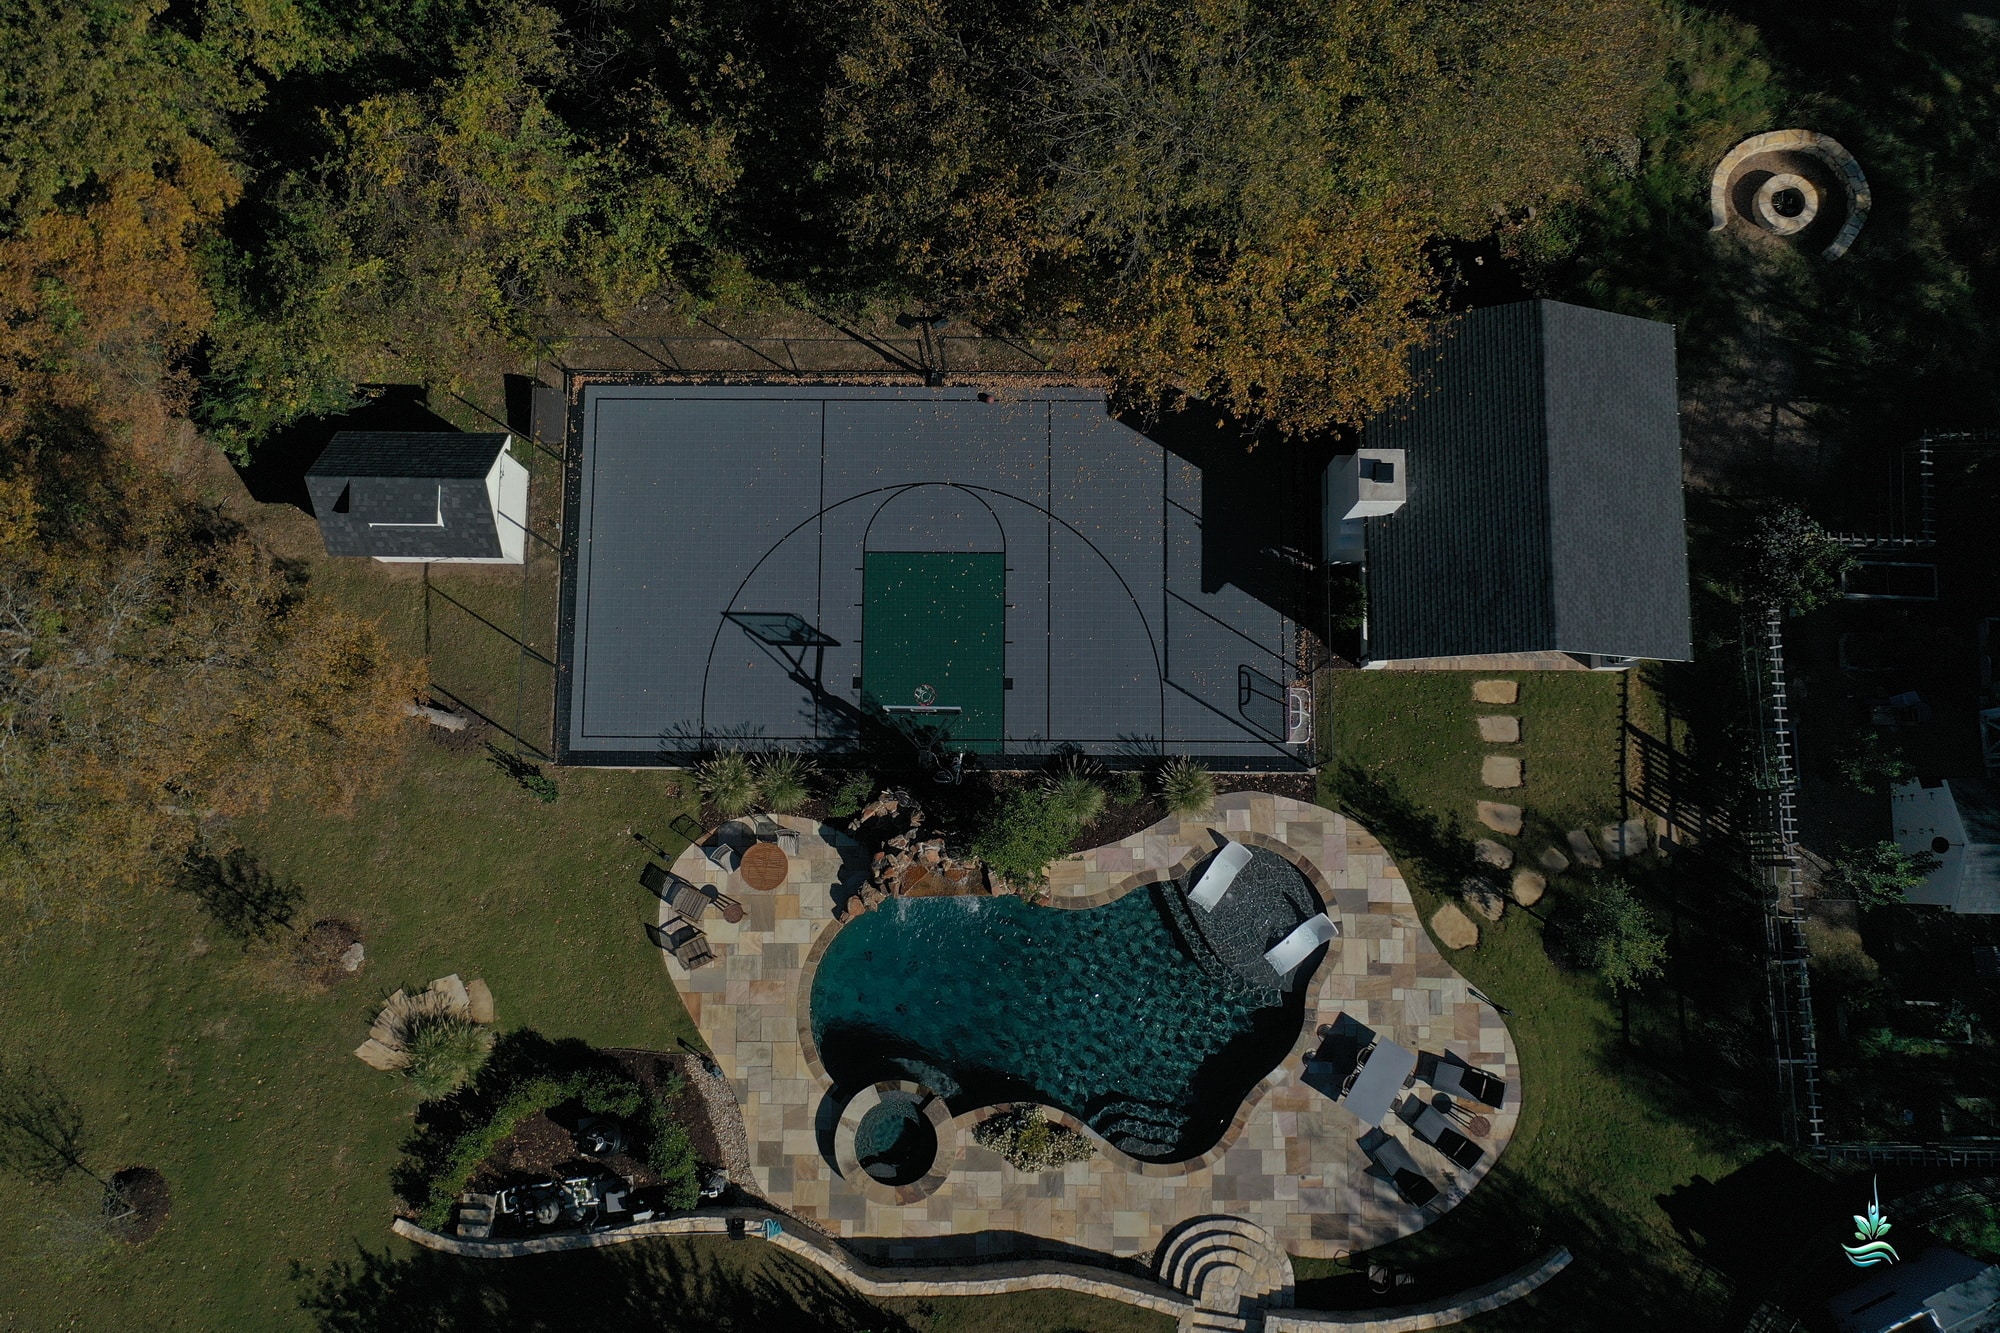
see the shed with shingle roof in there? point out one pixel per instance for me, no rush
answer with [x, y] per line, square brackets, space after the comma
[1544, 512]
[421, 496]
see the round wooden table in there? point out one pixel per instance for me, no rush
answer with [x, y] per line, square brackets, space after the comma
[764, 866]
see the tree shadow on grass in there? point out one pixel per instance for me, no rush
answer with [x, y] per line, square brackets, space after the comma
[658, 1286]
[243, 899]
[1621, 1276]
[1434, 846]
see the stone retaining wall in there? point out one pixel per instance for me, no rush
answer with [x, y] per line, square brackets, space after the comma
[992, 1278]
[1000, 1277]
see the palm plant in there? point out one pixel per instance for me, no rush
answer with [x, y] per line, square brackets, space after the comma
[783, 777]
[1073, 793]
[444, 1051]
[727, 783]
[1187, 787]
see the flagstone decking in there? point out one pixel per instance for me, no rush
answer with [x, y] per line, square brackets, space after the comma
[1289, 1162]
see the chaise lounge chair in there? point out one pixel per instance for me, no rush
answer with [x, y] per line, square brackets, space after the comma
[1222, 871]
[1389, 1160]
[1292, 950]
[1429, 1124]
[686, 943]
[688, 900]
[1461, 1080]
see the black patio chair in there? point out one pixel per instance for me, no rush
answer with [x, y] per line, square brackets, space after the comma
[1429, 1125]
[1447, 1074]
[1388, 1160]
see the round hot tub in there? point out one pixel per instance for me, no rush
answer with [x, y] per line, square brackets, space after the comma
[894, 1141]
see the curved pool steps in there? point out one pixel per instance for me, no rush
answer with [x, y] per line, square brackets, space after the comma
[1226, 1264]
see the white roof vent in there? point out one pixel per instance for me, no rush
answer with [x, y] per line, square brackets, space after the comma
[1367, 484]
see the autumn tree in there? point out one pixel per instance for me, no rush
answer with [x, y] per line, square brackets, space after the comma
[1229, 200]
[448, 222]
[158, 669]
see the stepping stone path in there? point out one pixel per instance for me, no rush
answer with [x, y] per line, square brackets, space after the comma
[1623, 840]
[1581, 850]
[1232, 1268]
[1453, 928]
[1529, 885]
[1552, 861]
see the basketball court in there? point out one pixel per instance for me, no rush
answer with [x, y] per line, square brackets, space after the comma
[765, 564]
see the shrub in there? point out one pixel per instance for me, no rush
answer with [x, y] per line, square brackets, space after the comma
[782, 777]
[1186, 787]
[727, 783]
[1877, 876]
[1791, 562]
[528, 776]
[1126, 788]
[477, 1144]
[1608, 931]
[1871, 763]
[1030, 1141]
[851, 795]
[445, 1051]
[668, 1149]
[1026, 832]
[1074, 797]
[671, 1155]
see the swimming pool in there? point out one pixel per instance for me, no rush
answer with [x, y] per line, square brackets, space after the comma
[1106, 1013]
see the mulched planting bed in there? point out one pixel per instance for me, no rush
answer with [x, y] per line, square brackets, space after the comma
[545, 1146]
[144, 1192]
[316, 957]
[1122, 821]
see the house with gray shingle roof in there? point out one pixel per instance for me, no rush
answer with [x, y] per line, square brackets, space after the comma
[1524, 503]
[412, 496]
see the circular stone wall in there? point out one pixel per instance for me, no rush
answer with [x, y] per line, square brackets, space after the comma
[895, 1142]
[1792, 185]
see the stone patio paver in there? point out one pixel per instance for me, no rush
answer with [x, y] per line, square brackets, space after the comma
[1289, 1162]
[1496, 691]
[1501, 730]
[1501, 817]
[1500, 770]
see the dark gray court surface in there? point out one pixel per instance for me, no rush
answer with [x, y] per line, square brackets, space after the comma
[713, 584]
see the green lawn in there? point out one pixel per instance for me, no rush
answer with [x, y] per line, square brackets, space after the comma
[188, 1053]
[1601, 1136]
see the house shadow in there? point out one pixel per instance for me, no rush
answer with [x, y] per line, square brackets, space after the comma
[276, 473]
[1750, 1224]
[1260, 507]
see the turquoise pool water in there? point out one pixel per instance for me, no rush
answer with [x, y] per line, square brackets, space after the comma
[894, 1142]
[1104, 1013]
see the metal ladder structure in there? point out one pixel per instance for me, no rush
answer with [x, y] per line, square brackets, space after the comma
[1926, 534]
[1786, 954]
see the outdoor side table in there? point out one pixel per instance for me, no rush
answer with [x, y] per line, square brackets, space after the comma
[764, 866]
